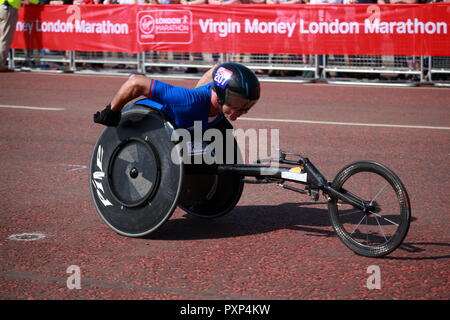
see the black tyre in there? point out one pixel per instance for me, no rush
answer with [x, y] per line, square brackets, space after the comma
[384, 227]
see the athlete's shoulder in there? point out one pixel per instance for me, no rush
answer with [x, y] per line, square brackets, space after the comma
[164, 93]
[206, 87]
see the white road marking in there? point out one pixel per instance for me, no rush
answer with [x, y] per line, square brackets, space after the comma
[75, 167]
[279, 120]
[31, 108]
[346, 123]
[33, 236]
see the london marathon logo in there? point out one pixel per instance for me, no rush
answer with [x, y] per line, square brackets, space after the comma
[164, 26]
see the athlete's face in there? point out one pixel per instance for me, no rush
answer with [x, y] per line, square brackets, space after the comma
[232, 112]
[233, 109]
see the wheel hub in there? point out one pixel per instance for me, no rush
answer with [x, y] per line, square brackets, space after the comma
[134, 172]
[371, 207]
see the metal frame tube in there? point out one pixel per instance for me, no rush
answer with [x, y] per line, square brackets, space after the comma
[350, 199]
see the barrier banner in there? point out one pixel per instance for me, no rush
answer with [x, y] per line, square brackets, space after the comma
[359, 29]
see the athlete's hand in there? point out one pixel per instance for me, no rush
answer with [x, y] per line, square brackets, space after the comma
[107, 117]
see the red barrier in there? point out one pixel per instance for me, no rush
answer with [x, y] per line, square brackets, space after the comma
[422, 29]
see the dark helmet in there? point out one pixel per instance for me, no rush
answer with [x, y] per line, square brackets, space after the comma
[236, 85]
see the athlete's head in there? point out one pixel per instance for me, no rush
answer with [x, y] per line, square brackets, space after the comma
[237, 88]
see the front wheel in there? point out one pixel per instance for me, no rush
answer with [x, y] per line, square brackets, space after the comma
[383, 228]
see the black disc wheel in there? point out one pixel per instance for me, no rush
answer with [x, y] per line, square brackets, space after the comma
[383, 226]
[211, 196]
[135, 177]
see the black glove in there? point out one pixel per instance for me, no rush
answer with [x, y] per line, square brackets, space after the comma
[107, 117]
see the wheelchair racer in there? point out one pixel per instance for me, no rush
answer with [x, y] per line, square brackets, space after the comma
[228, 90]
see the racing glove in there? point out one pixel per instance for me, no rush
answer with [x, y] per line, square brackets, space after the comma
[107, 117]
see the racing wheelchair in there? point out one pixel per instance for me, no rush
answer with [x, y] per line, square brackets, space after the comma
[137, 179]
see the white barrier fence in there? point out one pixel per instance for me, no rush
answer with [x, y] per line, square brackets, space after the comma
[372, 70]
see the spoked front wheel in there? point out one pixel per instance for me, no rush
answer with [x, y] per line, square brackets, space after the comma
[383, 227]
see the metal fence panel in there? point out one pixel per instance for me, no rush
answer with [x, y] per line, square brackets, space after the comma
[439, 72]
[42, 59]
[374, 70]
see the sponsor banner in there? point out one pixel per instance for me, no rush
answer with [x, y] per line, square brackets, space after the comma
[420, 29]
[73, 27]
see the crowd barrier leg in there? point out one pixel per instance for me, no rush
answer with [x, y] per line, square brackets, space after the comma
[11, 59]
[72, 65]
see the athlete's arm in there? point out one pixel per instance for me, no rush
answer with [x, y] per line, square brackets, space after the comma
[134, 87]
[206, 78]
[138, 85]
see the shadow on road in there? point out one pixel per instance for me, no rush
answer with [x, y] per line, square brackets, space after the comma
[248, 220]
[422, 247]
[253, 220]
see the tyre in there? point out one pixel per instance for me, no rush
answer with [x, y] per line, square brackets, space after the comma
[383, 228]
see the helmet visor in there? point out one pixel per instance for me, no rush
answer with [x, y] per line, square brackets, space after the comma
[238, 102]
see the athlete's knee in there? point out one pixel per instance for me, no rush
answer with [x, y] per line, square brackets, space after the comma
[138, 83]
